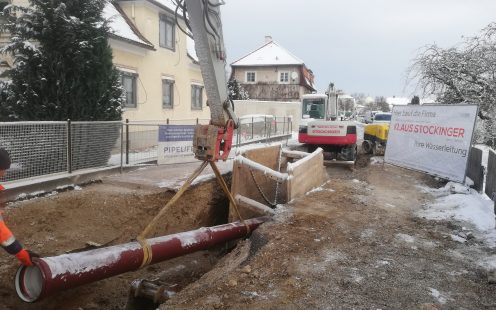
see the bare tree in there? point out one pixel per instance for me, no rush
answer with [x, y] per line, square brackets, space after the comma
[463, 73]
[382, 104]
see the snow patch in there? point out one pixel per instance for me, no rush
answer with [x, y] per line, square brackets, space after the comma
[119, 25]
[473, 208]
[488, 263]
[376, 160]
[456, 202]
[405, 238]
[436, 294]
[457, 238]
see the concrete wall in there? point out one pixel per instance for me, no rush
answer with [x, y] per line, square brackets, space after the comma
[275, 108]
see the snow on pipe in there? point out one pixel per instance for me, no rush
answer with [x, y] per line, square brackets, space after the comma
[275, 175]
[53, 274]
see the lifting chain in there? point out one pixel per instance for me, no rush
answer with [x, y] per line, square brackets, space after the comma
[259, 188]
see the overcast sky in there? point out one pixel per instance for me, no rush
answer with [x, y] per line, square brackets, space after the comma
[361, 45]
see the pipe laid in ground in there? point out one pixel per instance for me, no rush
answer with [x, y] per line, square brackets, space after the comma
[53, 274]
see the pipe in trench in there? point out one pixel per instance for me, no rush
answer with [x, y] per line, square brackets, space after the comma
[53, 274]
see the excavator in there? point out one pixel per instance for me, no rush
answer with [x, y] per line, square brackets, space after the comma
[321, 127]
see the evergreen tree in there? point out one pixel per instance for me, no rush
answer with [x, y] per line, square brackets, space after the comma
[63, 63]
[236, 91]
[415, 100]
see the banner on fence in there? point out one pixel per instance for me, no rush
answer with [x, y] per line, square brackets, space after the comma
[432, 138]
[175, 144]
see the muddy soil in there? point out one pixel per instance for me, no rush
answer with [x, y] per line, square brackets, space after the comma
[353, 244]
[108, 214]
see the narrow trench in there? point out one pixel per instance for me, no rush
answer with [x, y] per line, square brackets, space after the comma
[162, 283]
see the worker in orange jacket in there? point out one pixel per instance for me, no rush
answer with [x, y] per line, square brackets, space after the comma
[7, 239]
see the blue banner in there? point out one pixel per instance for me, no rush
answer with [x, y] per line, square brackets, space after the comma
[168, 133]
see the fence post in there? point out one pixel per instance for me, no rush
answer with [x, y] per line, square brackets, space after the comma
[69, 146]
[197, 120]
[265, 125]
[252, 125]
[270, 129]
[283, 125]
[239, 131]
[167, 121]
[122, 147]
[127, 141]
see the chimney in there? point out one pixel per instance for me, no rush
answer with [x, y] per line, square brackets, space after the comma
[268, 39]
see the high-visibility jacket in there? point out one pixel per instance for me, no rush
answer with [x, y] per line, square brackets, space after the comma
[7, 239]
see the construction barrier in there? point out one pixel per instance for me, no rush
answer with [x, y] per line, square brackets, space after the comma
[266, 176]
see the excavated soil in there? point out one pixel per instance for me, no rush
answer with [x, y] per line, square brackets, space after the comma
[354, 243]
[108, 214]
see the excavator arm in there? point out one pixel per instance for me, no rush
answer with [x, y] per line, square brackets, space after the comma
[211, 142]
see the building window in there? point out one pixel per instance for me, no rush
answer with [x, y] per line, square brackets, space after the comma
[167, 32]
[283, 77]
[128, 81]
[167, 94]
[196, 97]
[250, 77]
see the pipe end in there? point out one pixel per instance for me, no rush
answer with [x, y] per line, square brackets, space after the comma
[29, 283]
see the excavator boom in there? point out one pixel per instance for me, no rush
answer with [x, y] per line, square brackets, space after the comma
[211, 142]
[205, 23]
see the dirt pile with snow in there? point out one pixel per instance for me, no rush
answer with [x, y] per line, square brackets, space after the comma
[356, 242]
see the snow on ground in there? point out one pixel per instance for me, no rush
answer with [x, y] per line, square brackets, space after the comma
[485, 153]
[37, 194]
[460, 203]
[377, 160]
[438, 295]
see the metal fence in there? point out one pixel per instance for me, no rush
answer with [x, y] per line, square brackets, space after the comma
[140, 141]
[491, 176]
[475, 171]
[45, 148]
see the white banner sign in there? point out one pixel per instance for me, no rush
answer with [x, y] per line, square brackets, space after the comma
[175, 144]
[432, 138]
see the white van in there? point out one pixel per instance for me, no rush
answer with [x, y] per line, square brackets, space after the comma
[369, 116]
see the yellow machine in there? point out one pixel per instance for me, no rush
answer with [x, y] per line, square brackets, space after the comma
[375, 135]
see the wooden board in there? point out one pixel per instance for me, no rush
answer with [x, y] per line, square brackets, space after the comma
[243, 182]
[305, 176]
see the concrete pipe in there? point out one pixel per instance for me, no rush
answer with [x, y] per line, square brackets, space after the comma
[50, 275]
